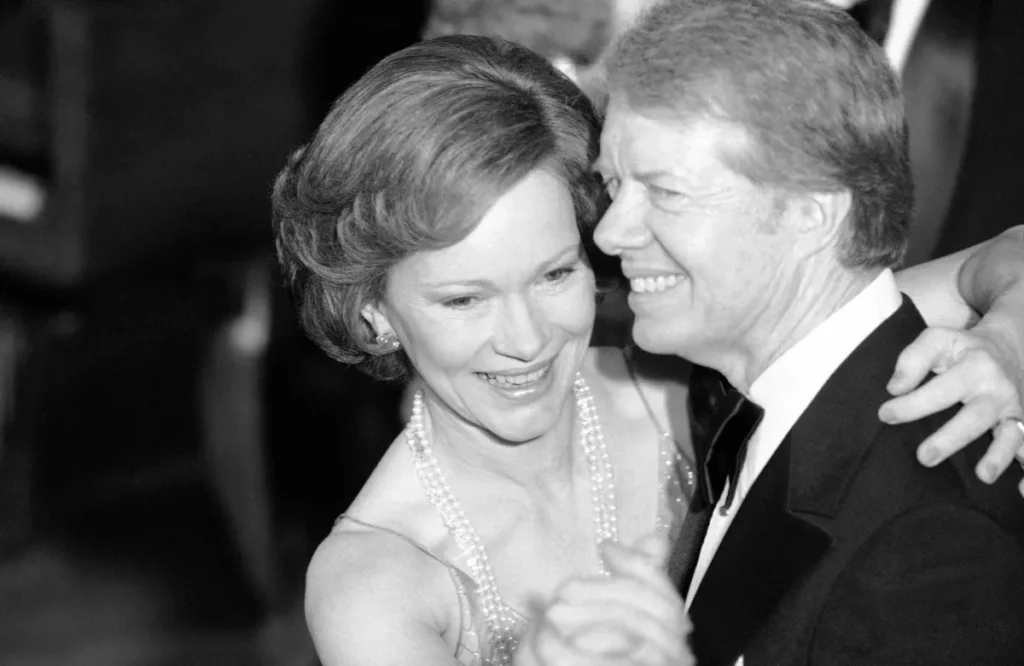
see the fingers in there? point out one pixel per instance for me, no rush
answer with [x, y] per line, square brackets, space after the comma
[658, 600]
[942, 392]
[973, 376]
[548, 646]
[637, 599]
[933, 350]
[655, 546]
[646, 561]
[972, 421]
[635, 616]
[611, 628]
[1006, 445]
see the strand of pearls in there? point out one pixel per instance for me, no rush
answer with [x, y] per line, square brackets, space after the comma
[602, 475]
[500, 622]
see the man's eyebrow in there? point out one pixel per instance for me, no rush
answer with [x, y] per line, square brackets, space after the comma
[656, 173]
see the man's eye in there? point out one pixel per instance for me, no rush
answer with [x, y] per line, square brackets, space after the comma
[665, 198]
[663, 193]
[459, 302]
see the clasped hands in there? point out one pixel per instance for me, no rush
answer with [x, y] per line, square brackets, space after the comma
[633, 616]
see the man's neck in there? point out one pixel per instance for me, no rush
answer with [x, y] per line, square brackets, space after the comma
[815, 296]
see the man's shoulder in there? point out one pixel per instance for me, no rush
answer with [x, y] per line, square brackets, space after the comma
[888, 483]
[891, 472]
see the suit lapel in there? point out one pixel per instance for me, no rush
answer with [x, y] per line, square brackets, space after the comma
[765, 549]
[780, 531]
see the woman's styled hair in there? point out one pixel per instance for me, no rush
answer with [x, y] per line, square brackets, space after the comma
[410, 158]
[818, 99]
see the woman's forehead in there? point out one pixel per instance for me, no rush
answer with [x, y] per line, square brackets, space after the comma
[532, 224]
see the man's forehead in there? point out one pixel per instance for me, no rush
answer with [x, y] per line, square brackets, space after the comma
[623, 137]
[637, 142]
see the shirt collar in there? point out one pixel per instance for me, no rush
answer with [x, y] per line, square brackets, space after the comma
[788, 386]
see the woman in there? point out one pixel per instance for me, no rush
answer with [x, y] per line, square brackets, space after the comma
[436, 222]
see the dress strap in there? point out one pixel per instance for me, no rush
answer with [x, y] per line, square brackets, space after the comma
[467, 636]
[373, 526]
[676, 476]
[628, 358]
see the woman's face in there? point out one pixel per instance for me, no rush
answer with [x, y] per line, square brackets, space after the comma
[497, 324]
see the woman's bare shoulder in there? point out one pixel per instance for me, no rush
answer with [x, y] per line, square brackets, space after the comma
[355, 557]
[372, 597]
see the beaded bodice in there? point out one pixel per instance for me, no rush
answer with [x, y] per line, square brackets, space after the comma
[474, 646]
[489, 628]
[475, 649]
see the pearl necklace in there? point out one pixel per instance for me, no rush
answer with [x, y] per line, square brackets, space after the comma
[497, 616]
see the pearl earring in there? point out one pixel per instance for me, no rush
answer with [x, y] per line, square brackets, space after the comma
[388, 343]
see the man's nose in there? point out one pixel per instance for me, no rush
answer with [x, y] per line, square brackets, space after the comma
[621, 229]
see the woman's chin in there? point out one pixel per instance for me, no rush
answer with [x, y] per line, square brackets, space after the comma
[522, 430]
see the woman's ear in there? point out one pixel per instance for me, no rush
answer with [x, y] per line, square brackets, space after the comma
[374, 315]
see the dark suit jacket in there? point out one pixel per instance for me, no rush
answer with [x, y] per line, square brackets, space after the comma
[848, 551]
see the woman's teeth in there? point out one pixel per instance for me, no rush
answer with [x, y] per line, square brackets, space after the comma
[642, 285]
[515, 380]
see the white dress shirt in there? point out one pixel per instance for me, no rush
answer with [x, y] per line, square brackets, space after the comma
[788, 386]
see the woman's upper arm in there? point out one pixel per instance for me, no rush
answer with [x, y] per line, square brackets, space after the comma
[360, 613]
[951, 290]
[934, 288]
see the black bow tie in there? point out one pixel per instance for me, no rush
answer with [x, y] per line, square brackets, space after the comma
[721, 421]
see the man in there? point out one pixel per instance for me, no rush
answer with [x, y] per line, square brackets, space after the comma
[756, 153]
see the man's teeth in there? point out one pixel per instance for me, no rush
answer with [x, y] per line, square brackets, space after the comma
[643, 285]
[515, 380]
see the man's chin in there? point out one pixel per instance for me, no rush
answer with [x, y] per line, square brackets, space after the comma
[653, 339]
[668, 340]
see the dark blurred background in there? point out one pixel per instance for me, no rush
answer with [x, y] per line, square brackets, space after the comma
[171, 447]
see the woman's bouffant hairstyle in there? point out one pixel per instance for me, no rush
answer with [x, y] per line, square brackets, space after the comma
[410, 158]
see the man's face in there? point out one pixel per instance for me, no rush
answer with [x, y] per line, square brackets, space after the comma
[699, 243]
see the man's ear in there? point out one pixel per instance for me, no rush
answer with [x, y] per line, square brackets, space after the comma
[818, 219]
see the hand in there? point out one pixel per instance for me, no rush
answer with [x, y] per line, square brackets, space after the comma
[633, 616]
[980, 368]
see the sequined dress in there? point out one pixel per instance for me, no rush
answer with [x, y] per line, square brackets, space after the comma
[473, 647]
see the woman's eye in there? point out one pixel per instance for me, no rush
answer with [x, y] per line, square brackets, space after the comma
[559, 274]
